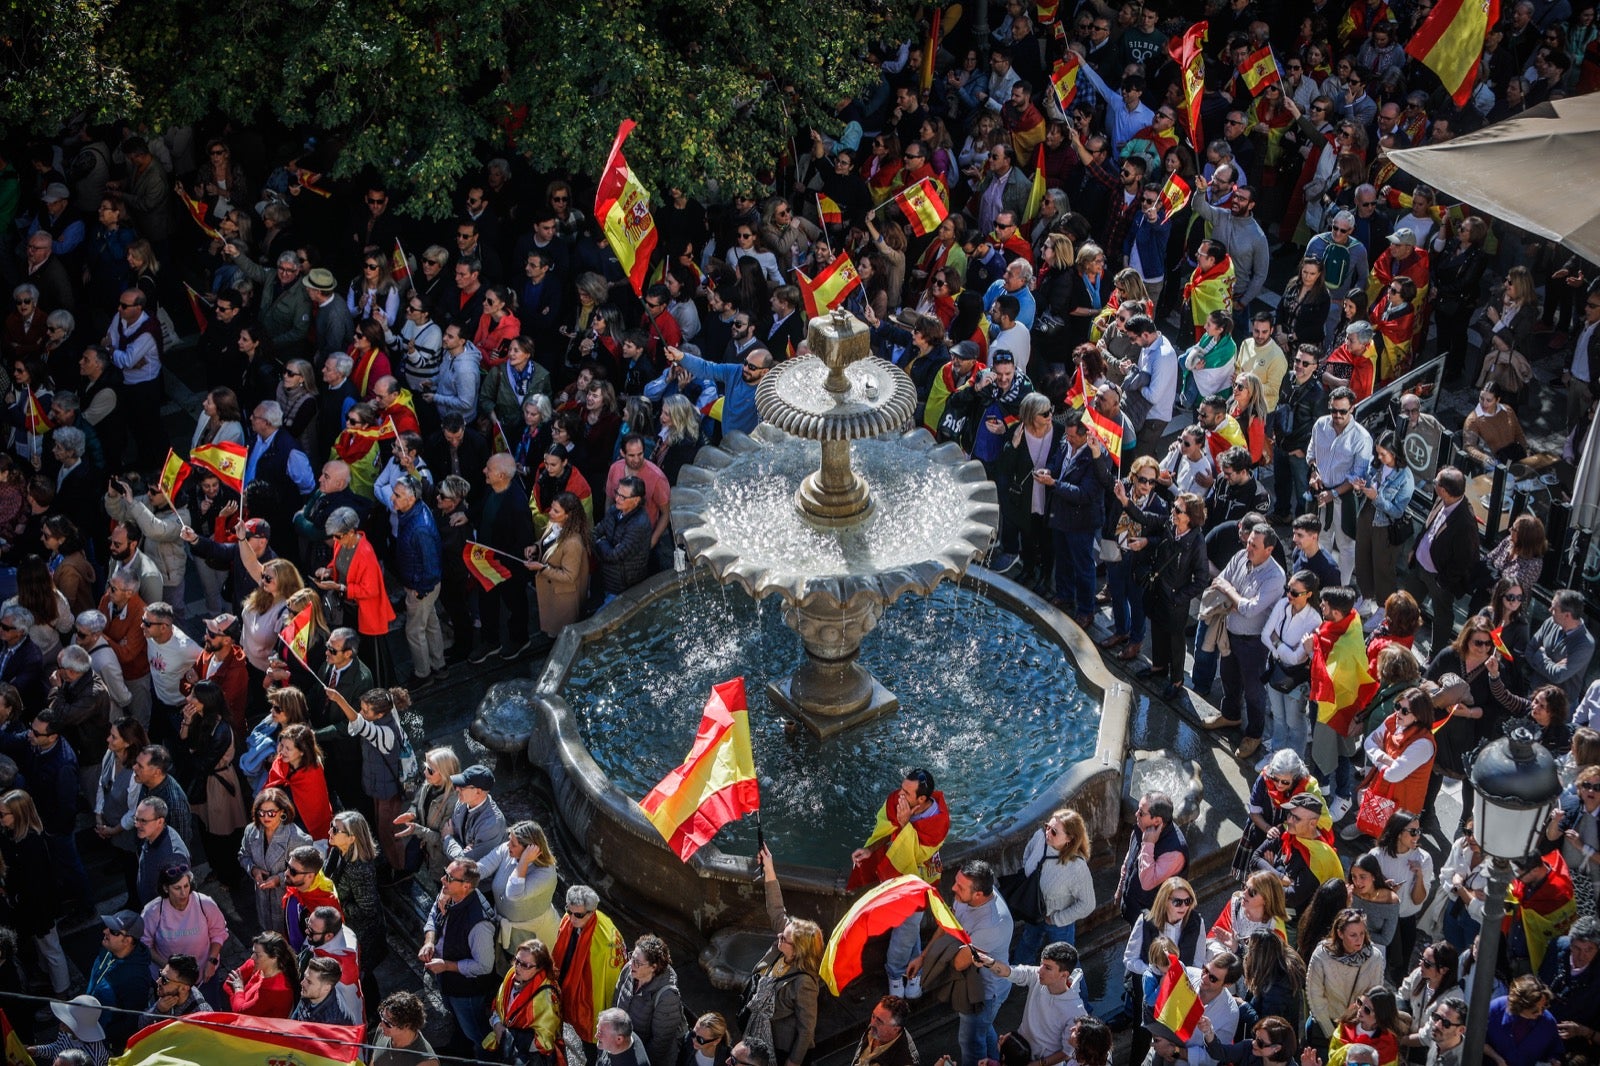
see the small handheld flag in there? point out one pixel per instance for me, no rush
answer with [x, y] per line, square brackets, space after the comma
[483, 566]
[1259, 70]
[173, 474]
[35, 418]
[1174, 194]
[1109, 430]
[399, 265]
[829, 210]
[1188, 52]
[924, 209]
[830, 287]
[198, 211]
[197, 307]
[497, 435]
[296, 635]
[1064, 79]
[1177, 1006]
[224, 459]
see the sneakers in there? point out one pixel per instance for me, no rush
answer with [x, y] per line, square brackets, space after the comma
[1338, 807]
[483, 654]
[914, 987]
[1005, 563]
[1351, 832]
[511, 654]
[897, 987]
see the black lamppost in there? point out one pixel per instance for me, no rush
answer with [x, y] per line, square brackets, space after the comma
[1516, 784]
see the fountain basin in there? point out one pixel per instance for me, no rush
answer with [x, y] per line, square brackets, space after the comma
[1074, 759]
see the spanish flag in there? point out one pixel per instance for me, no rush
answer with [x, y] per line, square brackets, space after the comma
[1174, 194]
[829, 288]
[1064, 79]
[1341, 684]
[311, 181]
[828, 210]
[1188, 52]
[12, 1050]
[1546, 912]
[1177, 1007]
[1260, 70]
[623, 207]
[482, 565]
[296, 633]
[1500, 643]
[218, 1036]
[930, 50]
[497, 435]
[1078, 394]
[173, 474]
[1109, 430]
[197, 307]
[716, 784]
[882, 908]
[924, 209]
[224, 459]
[1450, 41]
[1046, 10]
[197, 210]
[399, 265]
[1036, 193]
[36, 420]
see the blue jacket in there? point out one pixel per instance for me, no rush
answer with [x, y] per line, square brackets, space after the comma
[1078, 498]
[417, 550]
[739, 413]
[1151, 237]
[1393, 497]
[52, 778]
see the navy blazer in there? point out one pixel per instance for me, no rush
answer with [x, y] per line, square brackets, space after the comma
[1078, 498]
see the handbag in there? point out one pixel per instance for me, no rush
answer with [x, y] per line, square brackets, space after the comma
[1024, 895]
[1374, 812]
[1288, 678]
[1110, 550]
[1400, 530]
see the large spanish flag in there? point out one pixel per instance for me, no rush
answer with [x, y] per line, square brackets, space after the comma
[218, 1036]
[716, 784]
[1450, 42]
[1341, 684]
[829, 288]
[881, 909]
[224, 459]
[923, 207]
[1188, 52]
[1546, 912]
[623, 207]
[1177, 1006]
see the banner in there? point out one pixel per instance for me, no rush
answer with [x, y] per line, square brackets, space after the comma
[882, 908]
[622, 205]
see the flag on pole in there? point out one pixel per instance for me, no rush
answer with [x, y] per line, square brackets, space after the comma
[930, 50]
[1174, 194]
[622, 205]
[13, 1052]
[1078, 394]
[497, 435]
[882, 908]
[1177, 1006]
[197, 307]
[1260, 69]
[1064, 79]
[1497, 633]
[829, 288]
[1450, 41]
[173, 474]
[399, 265]
[829, 210]
[36, 420]
[1109, 430]
[483, 565]
[1188, 52]
[716, 784]
[218, 1036]
[311, 182]
[1046, 10]
[198, 211]
[296, 634]
[923, 207]
[224, 459]
[1036, 193]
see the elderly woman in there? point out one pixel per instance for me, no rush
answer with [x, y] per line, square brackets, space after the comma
[25, 327]
[356, 575]
[648, 991]
[530, 444]
[521, 874]
[783, 1009]
[430, 809]
[181, 921]
[264, 852]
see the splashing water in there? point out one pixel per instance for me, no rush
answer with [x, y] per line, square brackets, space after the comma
[990, 705]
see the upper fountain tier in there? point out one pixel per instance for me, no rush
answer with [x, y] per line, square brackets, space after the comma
[839, 393]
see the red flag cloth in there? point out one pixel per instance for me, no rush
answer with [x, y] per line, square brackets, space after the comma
[484, 566]
[197, 307]
[1177, 1007]
[716, 784]
[830, 287]
[884, 908]
[224, 459]
[1188, 52]
[173, 474]
[1450, 42]
[223, 1037]
[198, 211]
[622, 205]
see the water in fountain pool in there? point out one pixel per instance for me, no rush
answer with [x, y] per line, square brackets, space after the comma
[989, 704]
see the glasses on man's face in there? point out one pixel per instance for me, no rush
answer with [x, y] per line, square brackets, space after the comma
[447, 879]
[1339, 412]
[1441, 1020]
[1212, 979]
[377, 201]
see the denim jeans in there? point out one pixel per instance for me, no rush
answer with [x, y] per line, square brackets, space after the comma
[976, 1036]
[1291, 725]
[472, 1018]
[1075, 569]
[1243, 691]
[1459, 927]
[905, 944]
[1035, 935]
[1127, 598]
[1204, 671]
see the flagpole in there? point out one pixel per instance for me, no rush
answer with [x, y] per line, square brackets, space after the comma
[497, 551]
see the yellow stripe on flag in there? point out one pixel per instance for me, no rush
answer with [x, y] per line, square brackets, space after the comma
[715, 784]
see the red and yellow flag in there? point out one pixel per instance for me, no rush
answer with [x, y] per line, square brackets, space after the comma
[296, 634]
[198, 211]
[197, 307]
[1064, 79]
[1188, 52]
[311, 182]
[1546, 912]
[930, 50]
[1500, 643]
[1109, 430]
[1046, 12]
[881, 909]
[828, 210]
[1036, 191]
[36, 420]
[1260, 69]
[483, 565]
[716, 784]
[399, 265]
[1341, 683]
[173, 474]
[1450, 42]
[497, 435]
[218, 1036]
[923, 207]
[13, 1052]
[622, 205]
[1174, 194]
[829, 288]
[1078, 394]
[1177, 1006]
[224, 459]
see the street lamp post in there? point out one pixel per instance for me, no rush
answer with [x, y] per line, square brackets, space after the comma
[1516, 784]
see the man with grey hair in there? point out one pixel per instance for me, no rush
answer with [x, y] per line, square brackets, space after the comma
[279, 472]
[617, 1042]
[21, 665]
[285, 306]
[586, 934]
[44, 269]
[88, 633]
[160, 847]
[1016, 281]
[83, 706]
[334, 400]
[172, 655]
[1560, 651]
[1345, 263]
[134, 340]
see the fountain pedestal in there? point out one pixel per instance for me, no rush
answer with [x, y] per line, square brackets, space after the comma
[832, 691]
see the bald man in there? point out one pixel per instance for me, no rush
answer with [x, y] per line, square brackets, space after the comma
[504, 523]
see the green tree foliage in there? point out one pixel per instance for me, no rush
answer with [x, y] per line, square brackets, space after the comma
[413, 87]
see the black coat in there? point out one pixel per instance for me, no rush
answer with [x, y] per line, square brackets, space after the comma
[1455, 549]
[471, 454]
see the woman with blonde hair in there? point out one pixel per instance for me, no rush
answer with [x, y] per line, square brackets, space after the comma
[31, 893]
[525, 1013]
[783, 1008]
[707, 1043]
[1060, 852]
[423, 821]
[1140, 516]
[678, 440]
[1508, 323]
[1258, 907]
[262, 616]
[521, 871]
[352, 867]
[297, 396]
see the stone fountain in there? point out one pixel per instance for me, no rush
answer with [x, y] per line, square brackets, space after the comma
[845, 549]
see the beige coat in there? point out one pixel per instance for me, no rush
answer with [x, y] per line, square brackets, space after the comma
[562, 585]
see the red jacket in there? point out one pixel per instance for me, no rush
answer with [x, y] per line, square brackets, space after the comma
[232, 675]
[363, 581]
[308, 787]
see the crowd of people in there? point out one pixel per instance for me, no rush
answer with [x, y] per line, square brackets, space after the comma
[448, 457]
